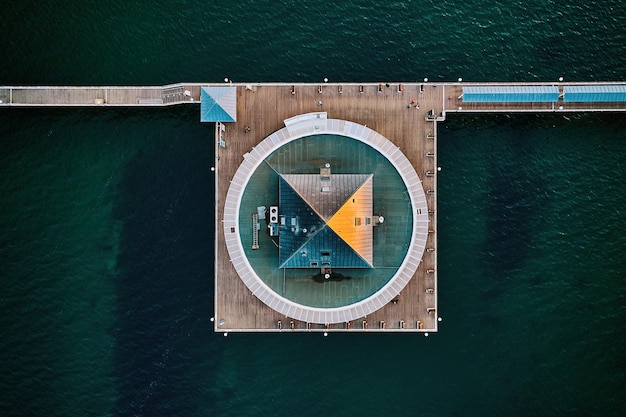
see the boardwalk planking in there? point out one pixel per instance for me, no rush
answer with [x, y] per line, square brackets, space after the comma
[264, 108]
[100, 96]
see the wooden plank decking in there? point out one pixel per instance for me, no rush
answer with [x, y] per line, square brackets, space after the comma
[186, 93]
[263, 108]
[100, 96]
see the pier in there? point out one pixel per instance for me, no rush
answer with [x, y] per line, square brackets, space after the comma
[70, 96]
[449, 94]
[406, 114]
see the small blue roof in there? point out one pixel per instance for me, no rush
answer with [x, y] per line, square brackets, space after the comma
[511, 94]
[594, 93]
[218, 104]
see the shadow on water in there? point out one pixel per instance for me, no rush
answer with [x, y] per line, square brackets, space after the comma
[335, 276]
[513, 197]
[165, 264]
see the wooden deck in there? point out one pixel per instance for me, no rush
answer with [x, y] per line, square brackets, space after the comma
[100, 96]
[263, 108]
[186, 93]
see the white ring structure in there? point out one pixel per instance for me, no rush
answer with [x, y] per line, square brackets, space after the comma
[294, 131]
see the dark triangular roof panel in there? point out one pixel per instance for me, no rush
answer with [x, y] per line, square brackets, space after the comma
[298, 222]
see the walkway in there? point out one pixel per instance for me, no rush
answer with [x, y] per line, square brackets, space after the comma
[100, 96]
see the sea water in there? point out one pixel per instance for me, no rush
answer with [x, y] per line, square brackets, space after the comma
[107, 215]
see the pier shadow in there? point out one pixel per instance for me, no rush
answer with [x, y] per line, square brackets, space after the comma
[514, 195]
[164, 271]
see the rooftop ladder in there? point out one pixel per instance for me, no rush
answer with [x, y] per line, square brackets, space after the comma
[255, 231]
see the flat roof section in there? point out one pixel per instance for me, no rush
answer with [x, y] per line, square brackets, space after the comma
[594, 93]
[510, 93]
[231, 221]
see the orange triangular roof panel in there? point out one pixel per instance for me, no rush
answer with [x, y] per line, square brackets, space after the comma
[352, 221]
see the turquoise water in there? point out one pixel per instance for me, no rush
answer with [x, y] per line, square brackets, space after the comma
[106, 216]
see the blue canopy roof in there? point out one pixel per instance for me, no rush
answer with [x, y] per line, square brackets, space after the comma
[218, 104]
[594, 93]
[511, 94]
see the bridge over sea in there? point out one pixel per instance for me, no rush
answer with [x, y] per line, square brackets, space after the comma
[248, 116]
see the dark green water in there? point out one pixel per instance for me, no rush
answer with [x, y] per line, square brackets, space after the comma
[106, 216]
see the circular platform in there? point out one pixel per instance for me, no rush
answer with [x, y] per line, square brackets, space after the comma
[275, 152]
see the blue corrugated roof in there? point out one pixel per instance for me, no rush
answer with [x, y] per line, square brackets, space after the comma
[594, 93]
[510, 94]
[218, 104]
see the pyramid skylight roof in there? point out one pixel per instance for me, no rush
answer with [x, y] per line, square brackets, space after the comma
[326, 221]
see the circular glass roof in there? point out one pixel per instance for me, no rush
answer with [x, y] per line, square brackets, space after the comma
[331, 180]
[291, 176]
